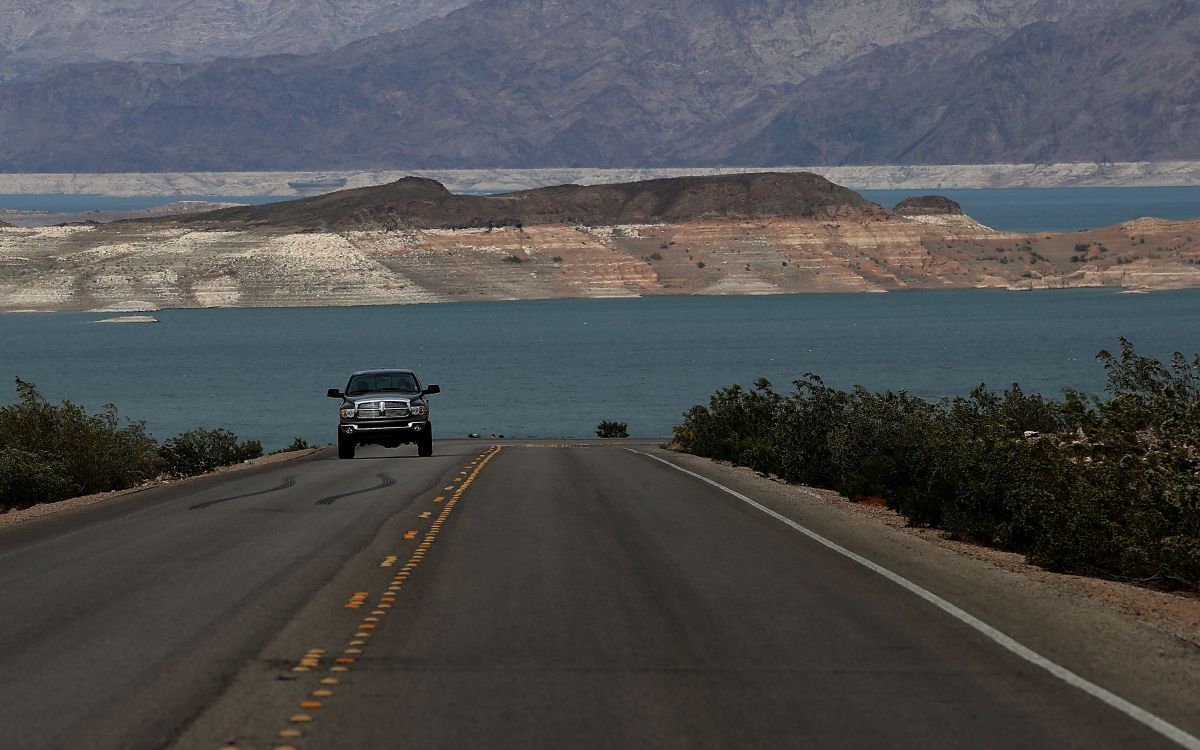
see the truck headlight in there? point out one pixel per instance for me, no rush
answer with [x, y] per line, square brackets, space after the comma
[420, 411]
[348, 412]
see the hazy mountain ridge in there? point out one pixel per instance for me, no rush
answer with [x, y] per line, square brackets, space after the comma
[37, 34]
[667, 82]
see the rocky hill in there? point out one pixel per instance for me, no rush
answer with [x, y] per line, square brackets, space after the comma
[646, 83]
[39, 34]
[928, 205]
[416, 203]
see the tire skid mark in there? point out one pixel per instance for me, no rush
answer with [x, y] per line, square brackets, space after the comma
[285, 484]
[385, 480]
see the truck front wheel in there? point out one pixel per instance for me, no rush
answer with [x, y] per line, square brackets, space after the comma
[425, 441]
[345, 446]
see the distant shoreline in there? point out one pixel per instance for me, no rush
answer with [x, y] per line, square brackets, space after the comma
[874, 177]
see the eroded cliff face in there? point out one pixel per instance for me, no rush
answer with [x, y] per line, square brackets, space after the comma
[133, 266]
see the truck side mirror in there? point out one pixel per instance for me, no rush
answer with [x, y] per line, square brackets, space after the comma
[333, 393]
[430, 390]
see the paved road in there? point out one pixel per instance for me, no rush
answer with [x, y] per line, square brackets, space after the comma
[525, 597]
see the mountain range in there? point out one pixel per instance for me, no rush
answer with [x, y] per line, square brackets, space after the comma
[527, 83]
[39, 34]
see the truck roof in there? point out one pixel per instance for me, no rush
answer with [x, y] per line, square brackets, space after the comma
[381, 369]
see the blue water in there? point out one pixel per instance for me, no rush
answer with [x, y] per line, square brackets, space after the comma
[557, 368]
[85, 203]
[1060, 209]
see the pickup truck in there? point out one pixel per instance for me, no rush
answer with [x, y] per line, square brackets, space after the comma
[384, 407]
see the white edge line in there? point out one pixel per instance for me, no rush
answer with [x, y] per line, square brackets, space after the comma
[1163, 727]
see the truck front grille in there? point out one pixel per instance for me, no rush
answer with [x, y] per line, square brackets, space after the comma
[383, 409]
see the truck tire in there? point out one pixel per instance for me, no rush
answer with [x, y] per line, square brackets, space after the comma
[345, 447]
[425, 442]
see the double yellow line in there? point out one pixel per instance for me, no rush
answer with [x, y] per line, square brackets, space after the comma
[355, 647]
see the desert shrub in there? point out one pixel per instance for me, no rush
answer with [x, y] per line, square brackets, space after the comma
[801, 429]
[1107, 487]
[874, 446]
[28, 478]
[297, 444]
[612, 429]
[202, 450]
[54, 451]
[51, 452]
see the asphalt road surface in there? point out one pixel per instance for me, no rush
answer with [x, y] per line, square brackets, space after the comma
[527, 596]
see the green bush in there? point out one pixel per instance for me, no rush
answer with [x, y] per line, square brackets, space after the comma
[28, 478]
[50, 452]
[298, 444]
[1107, 487]
[610, 429]
[202, 450]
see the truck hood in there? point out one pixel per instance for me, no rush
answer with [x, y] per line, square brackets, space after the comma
[384, 396]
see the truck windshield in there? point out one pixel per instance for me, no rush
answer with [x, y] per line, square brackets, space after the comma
[378, 382]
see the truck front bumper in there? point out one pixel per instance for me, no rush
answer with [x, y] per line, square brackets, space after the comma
[355, 429]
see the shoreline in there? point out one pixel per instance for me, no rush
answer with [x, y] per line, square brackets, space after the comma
[1114, 290]
[491, 180]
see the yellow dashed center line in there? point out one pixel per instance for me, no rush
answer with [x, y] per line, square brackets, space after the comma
[340, 664]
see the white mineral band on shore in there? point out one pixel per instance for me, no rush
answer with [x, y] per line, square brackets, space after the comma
[921, 177]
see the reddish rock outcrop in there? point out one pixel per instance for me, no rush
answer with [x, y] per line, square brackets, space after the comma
[928, 205]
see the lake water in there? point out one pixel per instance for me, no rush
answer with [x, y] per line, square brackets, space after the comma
[1009, 209]
[1060, 209]
[556, 368]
